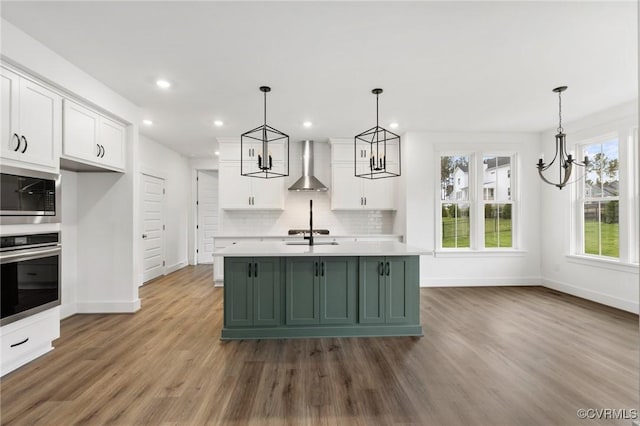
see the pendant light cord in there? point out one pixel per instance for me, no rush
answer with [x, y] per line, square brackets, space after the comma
[265, 108]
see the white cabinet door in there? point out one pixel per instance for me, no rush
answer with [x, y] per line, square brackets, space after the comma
[235, 190]
[9, 110]
[112, 138]
[379, 194]
[268, 194]
[346, 189]
[80, 132]
[40, 118]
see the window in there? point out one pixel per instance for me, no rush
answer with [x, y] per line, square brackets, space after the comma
[497, 201]
[476, 203]
[454, 201]
[599, 200]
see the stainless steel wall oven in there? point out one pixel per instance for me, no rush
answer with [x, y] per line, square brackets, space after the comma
[30, 274]
[28, 196]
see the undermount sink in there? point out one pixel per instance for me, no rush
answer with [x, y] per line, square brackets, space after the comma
[315, 243]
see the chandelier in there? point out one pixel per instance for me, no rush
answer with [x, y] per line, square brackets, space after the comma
[377, 151]
[264, 151]
[565, 161]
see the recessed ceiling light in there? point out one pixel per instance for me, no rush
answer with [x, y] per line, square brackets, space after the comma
[218, 123]
[147, 122]
[217, 153]
[307, 124]
[393, 125]
[164, 84]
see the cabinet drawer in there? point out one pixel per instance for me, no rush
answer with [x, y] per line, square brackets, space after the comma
[29, 338]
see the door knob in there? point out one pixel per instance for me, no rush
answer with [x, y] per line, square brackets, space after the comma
[144, 235]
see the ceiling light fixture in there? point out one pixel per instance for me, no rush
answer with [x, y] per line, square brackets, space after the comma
[258, 147]
[216, 153]
[307, 124]
[147, 122]
[393, 125]
[164, 84]
[565, 160]
[218, 123]
[382, 149]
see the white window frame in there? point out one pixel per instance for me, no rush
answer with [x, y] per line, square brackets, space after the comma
[476, 202]
[580, 199]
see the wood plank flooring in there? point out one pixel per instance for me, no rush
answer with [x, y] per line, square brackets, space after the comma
[490, 356]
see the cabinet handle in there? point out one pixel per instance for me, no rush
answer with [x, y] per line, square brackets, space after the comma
[98, 154]
[361, 201]
[249, 200]
[26, 144]
[316, 264]
[249, 270]
[20, 343]
[388, 269]
[322, 269]
[365, 201]
[380, 268]
[18, 139]
[255, 270]
[103, 151]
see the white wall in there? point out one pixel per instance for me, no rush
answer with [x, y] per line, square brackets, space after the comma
[611, 283]
[69, 238]
[421, 168]
[107, 208]
[159, 161]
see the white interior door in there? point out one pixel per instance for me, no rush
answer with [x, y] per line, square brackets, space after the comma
[207, 213]
[152, 226]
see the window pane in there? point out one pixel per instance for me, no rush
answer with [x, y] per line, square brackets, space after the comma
[591, 228]
[496, 178]
[609, 235]
[602, 179]
[455, 225]
[497, 225]
[454, 178]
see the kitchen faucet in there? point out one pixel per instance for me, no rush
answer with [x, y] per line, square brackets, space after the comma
[310, 238]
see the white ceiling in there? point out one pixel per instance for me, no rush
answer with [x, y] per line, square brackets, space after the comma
[450, 66]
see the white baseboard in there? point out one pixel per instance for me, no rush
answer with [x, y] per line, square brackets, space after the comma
[605, 299]
[108, 307]
[172, 268]
[68, 309]
[479, 282]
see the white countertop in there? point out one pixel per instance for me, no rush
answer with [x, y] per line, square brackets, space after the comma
[280, 249]
[238, 237]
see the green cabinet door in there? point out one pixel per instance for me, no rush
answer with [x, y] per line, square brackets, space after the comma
[338, 281]
[402, 293]
[302, 291]
[252, 291]
[372, 290]
[266, 291]
[238, 292]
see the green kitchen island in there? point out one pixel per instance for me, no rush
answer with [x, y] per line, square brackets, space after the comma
[277, 290]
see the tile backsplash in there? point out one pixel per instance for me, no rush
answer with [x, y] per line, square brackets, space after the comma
[296, 215]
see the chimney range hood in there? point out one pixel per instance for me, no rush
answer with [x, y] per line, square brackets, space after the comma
[308, 182]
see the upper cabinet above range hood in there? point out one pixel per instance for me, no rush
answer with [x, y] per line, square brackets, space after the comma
[308, 182]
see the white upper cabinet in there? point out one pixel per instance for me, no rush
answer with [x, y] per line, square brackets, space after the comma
[31, 123]
[91, 138]
[349, 192]
[248, 193]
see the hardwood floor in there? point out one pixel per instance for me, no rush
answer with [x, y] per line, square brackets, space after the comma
[490, 356]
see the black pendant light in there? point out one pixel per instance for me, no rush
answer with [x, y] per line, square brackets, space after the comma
[264, 151]
[565, 160]
[377, 151]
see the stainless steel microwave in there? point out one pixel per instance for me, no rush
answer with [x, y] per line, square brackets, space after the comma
[28, 196]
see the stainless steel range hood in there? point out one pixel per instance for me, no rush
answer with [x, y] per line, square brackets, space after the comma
[308, 182]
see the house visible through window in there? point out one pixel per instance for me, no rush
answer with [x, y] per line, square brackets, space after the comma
[497, 201]
[599, 200]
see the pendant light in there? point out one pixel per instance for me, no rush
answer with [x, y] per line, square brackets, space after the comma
[264, 151]
[564, 159]
[377, 151]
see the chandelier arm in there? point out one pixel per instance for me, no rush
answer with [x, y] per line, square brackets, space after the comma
[567, 174]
